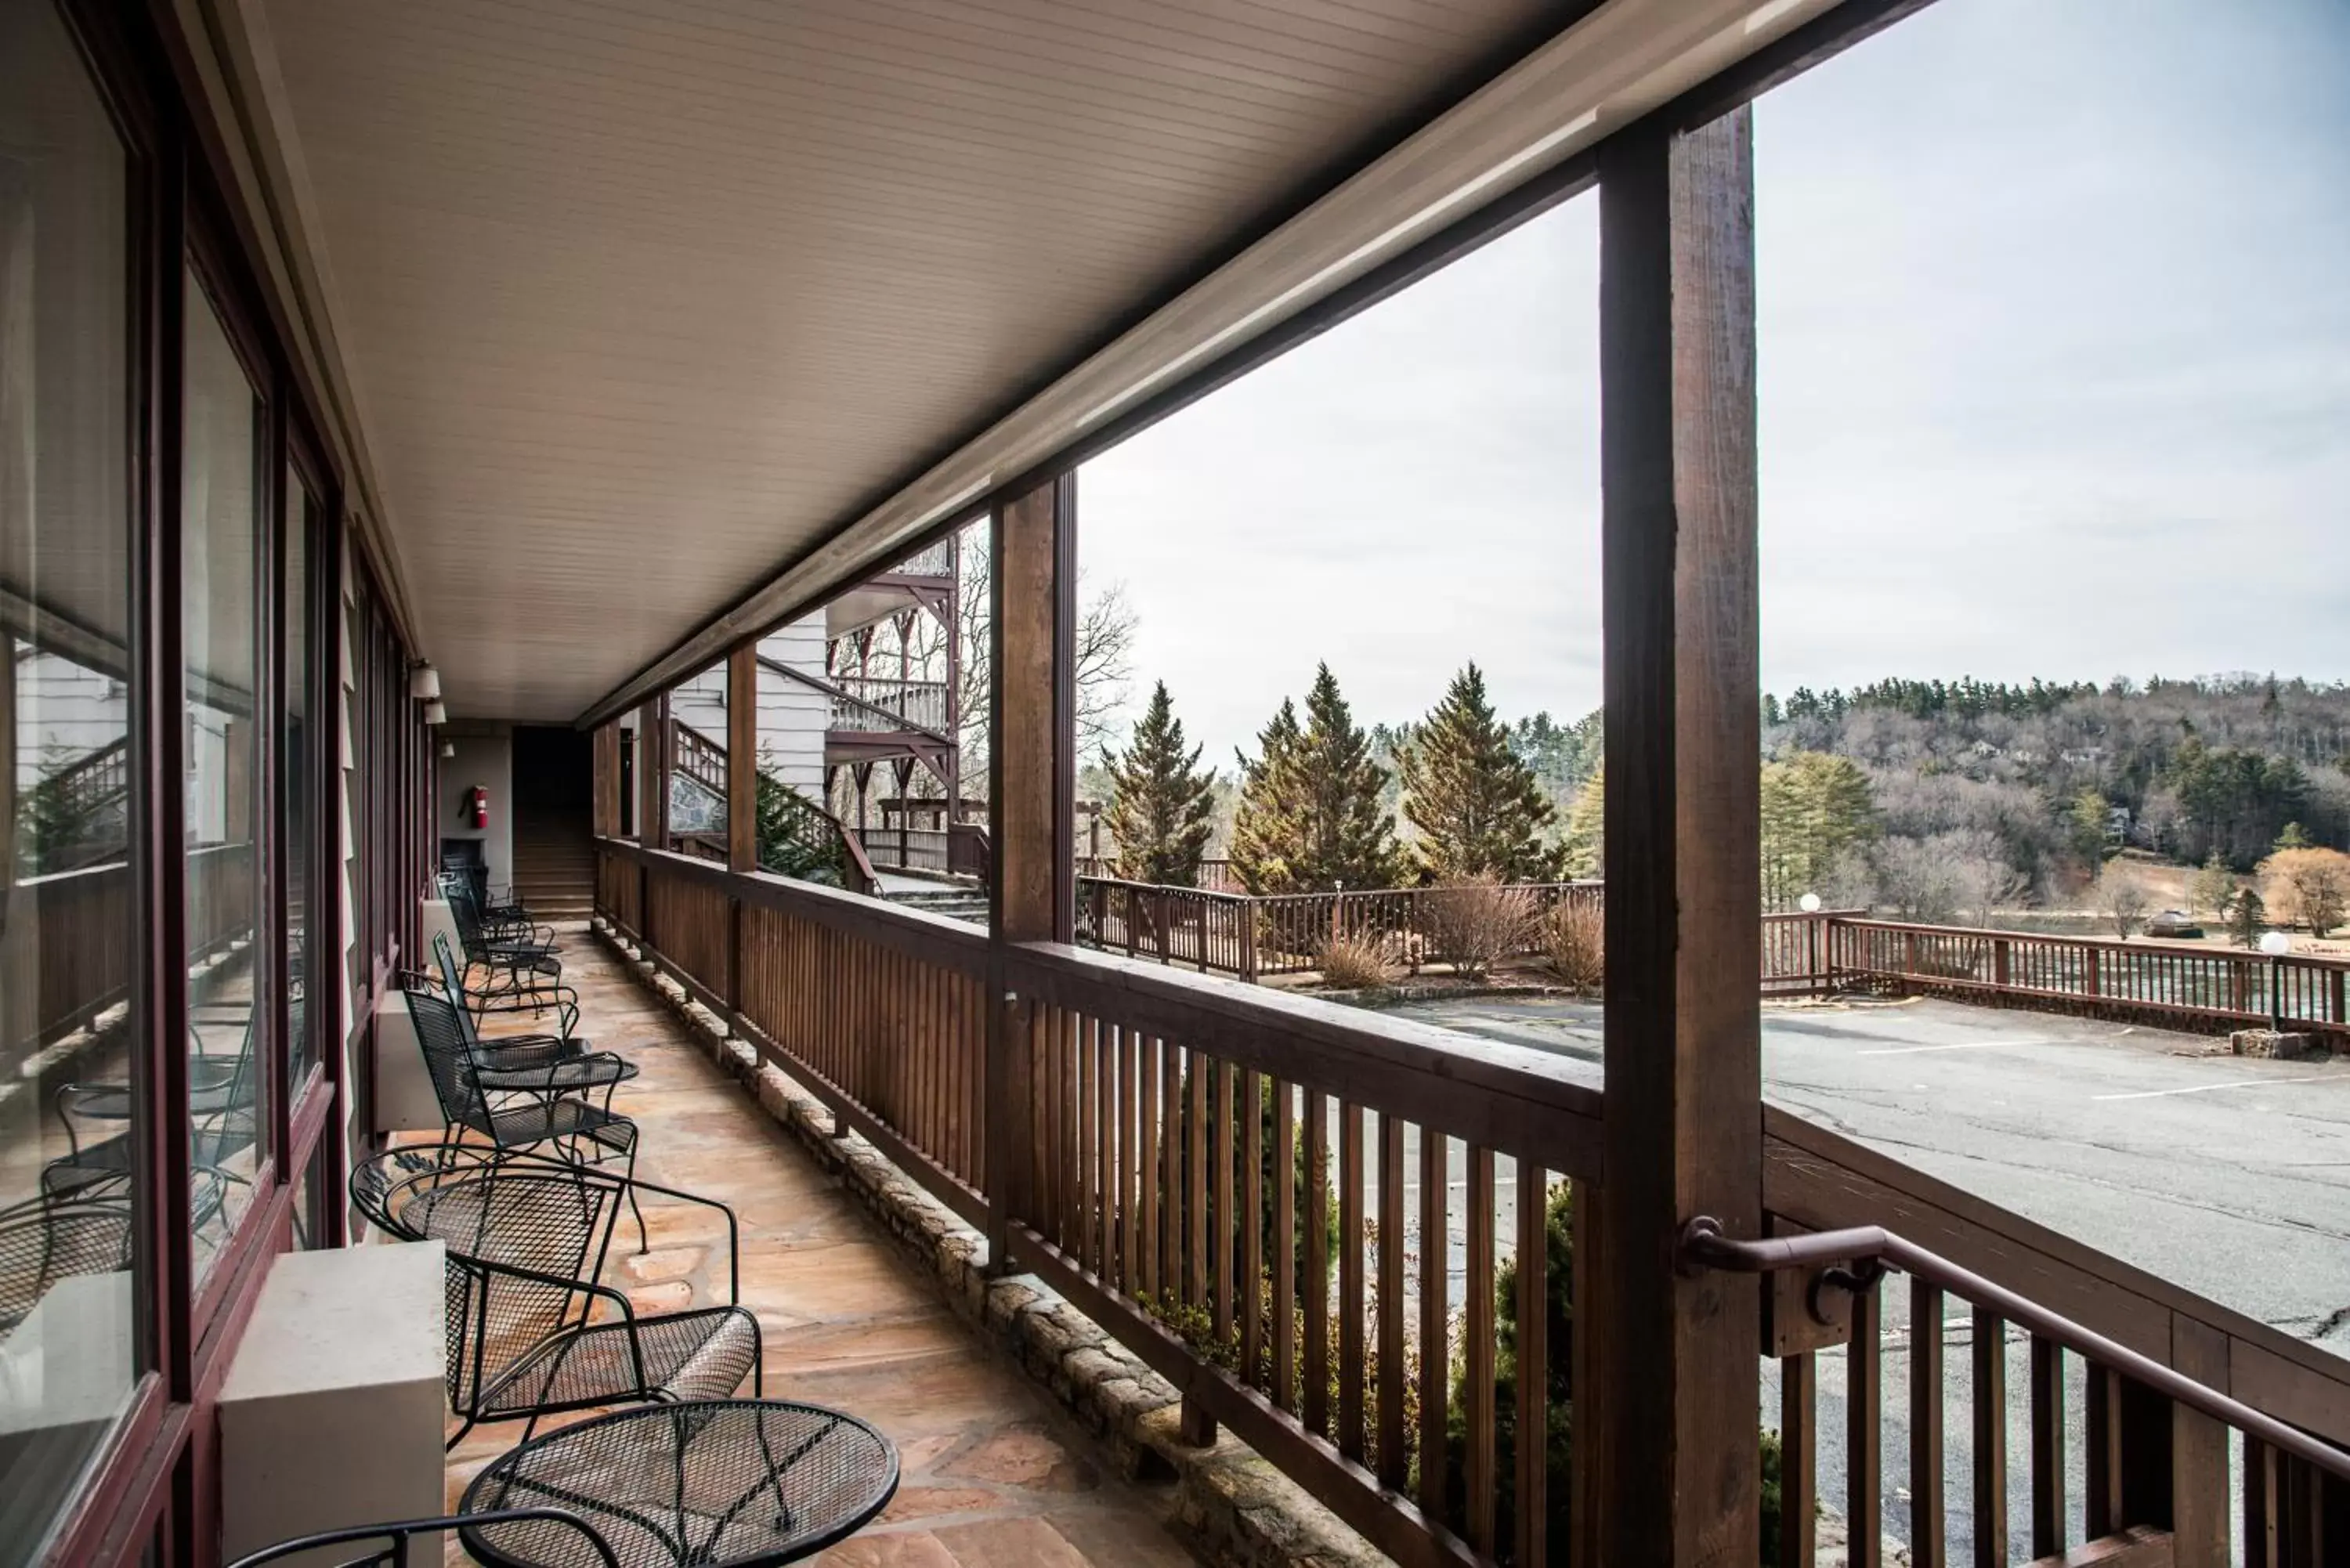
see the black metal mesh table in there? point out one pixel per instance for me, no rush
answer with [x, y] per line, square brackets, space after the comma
[556, 1076]
[718, 1483]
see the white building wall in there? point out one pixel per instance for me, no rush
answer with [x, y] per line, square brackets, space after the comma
[792, 716]
[64, 712]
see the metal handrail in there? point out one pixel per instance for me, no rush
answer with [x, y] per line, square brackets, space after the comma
[1704, 1245]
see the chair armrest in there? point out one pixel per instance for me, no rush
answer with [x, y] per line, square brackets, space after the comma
[734, 1232]
[593, 1289]
[397, 1534]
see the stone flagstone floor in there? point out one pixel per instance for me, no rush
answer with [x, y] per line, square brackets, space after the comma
[995, 1474]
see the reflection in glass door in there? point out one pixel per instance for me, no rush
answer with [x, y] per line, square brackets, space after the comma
[221, 536]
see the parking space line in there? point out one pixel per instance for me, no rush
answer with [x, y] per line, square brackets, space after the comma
[1962, 1045]
[2206, 1088]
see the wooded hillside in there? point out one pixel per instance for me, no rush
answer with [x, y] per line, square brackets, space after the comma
[2185, 769]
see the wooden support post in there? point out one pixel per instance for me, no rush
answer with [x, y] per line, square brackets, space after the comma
[742, 758]
[1676, 1437]
[2199, 1451]
[1988, 1411]
[1031, 769]
[652, 792]
[1928, 1520]
[607, 779]
[652, 773]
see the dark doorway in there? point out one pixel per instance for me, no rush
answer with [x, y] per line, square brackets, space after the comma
[554, 786]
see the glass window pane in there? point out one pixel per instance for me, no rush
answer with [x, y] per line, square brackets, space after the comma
[296, 759]
[70, 1318]
[220, 501]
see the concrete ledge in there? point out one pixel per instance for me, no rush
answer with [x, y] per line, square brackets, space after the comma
[1235, 1507]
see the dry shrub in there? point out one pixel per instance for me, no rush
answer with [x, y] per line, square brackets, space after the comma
[1476, 922]
[1353, 963]
[1575, 940]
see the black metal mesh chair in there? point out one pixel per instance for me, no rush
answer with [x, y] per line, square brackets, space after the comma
[222, 1111]
[504, 973]
[531, 1330]
[85, 1230]
[510, 1050]
[46, 1240]
[507, 923]
[498, 905]
[580, 1132]
[571, 1538]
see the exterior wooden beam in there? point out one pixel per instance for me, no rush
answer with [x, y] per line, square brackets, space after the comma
[1677, 1445]
[607, 759]
[650, 780]
[743, 757]
[1032, 884]
[1032, 757]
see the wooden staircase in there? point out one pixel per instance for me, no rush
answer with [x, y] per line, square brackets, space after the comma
[553, 866]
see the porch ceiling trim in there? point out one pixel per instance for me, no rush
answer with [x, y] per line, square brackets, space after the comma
[1621, 62]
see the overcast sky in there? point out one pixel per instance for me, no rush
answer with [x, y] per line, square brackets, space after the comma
[2054, 306]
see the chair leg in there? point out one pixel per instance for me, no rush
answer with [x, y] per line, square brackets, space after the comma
[644, 1243]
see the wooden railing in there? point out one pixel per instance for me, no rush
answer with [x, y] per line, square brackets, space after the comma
[906, 849]
[876, 703]
[969, 852]
[2172, 985]
[1249, 937]
[2156, 1477]
[1292, 927]
[1211, 932]
[79, 924]
[1301, 1214]
[698, 757]
[931, 561]
[1215, 876]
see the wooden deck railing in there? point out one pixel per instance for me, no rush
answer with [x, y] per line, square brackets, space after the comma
[2170, 984]
[1250, 937]
[2153, 1466]
[81, 922]
[1300, 1214]
[697, 756]
[906, 849]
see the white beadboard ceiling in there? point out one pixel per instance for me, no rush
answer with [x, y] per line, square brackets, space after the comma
[640, 301]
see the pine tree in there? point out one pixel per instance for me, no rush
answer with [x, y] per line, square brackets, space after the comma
[1265, 822]
[1478, 808]
[2213, 885]
[1587, 826]
[1162, 805]
[1815, 806]
[1310, 819]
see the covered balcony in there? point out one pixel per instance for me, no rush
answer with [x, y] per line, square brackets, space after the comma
[443, 449]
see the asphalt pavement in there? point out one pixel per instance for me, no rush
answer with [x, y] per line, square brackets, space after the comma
[2230, 1177]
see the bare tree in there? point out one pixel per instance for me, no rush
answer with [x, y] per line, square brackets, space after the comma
[2123, 898]
[1985, 880]
[1916, 876]
[1107, 626]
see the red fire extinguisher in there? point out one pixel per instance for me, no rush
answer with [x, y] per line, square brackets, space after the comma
[477, 801]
